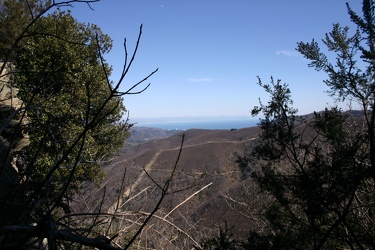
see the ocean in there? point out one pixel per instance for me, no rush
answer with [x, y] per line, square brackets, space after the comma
[204, 124]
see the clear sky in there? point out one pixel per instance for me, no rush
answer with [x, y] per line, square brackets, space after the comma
[210, 52]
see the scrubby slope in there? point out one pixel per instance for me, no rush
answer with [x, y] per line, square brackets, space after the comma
[208, 158]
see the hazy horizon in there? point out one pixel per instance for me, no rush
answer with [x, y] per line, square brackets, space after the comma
[189, 118]
[189, 122]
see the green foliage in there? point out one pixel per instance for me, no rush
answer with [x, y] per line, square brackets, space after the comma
[223, 241]
[320, 171]
[74, 113]
[74, 127]
[15, 17]
[62, 121]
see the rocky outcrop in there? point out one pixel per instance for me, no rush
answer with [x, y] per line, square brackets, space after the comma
[13, 138]
[13, 118]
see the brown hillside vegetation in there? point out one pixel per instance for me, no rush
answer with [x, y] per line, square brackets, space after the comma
[209, 161]
[208, 189]
[208, 158]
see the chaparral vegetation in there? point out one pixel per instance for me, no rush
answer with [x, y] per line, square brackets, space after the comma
[295, 182]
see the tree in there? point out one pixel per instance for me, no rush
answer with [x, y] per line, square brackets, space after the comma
[60, 122]
[57, 73]
[319, 170]
[15, 17]
[64, 109]
[223, 241]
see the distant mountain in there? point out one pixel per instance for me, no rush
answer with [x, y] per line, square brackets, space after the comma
[144, 134]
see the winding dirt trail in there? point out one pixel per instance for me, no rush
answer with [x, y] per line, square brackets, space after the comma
[148, 166]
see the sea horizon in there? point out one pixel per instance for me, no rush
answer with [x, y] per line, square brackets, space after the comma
[185, 124]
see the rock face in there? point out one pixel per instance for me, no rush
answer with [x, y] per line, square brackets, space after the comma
[13, 118]
[13, 137]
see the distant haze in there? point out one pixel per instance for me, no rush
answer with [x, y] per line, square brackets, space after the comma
[199, 122]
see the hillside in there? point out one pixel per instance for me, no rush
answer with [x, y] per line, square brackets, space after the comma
[144, 134]
[208, 158]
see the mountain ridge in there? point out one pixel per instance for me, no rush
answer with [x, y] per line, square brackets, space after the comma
[208, 157]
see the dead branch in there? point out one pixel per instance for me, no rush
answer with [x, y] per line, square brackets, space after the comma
[163, 195]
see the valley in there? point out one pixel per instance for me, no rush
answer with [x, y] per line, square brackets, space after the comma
[207, 168]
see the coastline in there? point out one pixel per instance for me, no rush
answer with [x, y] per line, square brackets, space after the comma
[200, 124]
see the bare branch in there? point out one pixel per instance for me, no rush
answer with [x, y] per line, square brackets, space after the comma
[191, 196]
[164, 193]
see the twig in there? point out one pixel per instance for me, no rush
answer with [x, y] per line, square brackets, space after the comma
[164, 193]
[187, 199]
[178, 229]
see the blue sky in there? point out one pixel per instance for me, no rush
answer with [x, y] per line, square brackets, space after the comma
[210, 52]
